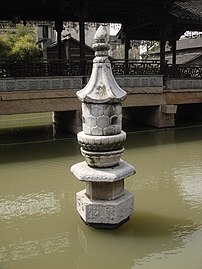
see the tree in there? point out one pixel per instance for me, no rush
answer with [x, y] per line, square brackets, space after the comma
[19, 44]
[149, 46]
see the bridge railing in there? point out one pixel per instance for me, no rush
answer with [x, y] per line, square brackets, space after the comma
[75, 68]
[135, 67]
[40, 69]
[83, 68]
[183, 71]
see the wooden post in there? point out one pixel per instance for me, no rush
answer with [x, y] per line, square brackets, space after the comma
[126, 50]
[82, 44]
[59, 28]
[162, 49]
[81, 16]
[127, 47]
[174, 52]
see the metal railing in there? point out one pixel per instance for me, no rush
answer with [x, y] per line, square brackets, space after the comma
[75, 68]
[183, 71]
[135, 67]
[84, 68]
[40, 69]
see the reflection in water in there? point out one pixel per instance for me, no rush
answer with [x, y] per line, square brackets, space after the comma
[175, 258]
[40, 228]
[29, 204]
[147, 236]
[29, 249]
[190, 186]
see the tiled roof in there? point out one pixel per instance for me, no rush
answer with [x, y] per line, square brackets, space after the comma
[189, 43]
[184, 44]
[180, 59]
[184, 58]
[191, 10]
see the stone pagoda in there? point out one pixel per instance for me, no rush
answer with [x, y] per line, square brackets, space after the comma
[104, 203]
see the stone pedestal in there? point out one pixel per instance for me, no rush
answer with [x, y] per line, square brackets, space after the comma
[67, 120]
[104, 203]
[162, 116]
[165, 116]
[104, 212]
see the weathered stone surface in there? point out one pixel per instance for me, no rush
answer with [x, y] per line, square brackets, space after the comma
[169, 109]
[140, 81]
[67, 120]
[153, 99]
[86, 173]
[102, 159]
[104, 211]
[22, 84]
[35, 83]
[104, 201]
[10, 85]
[102, 86]
[105, 190]
[162, 117]
[101, 119]
[189, 97]
[176, 84]
[14, 106]
[130, 84]
[45, 84]
[101, 143]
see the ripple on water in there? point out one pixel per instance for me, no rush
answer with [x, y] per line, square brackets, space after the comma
[26, 205]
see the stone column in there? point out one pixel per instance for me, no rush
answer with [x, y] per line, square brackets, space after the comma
[104, 203]
[162, 116]
[67, 120]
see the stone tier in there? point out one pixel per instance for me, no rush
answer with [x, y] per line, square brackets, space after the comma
[105, 190]
[101, 143]
[110, 174]
[102, 159]
[103, 211]
[101, 119]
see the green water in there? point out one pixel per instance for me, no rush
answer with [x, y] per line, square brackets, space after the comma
[39, 225]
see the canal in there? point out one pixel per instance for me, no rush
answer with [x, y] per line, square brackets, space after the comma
[39, 225]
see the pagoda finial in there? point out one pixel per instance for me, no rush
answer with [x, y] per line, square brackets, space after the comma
[102, 86]
[101, 46]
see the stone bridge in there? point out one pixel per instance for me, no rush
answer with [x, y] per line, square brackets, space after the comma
[150, 98]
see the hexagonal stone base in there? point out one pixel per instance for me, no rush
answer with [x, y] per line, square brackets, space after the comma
[106, 226]
[84, 172]
[103, 211]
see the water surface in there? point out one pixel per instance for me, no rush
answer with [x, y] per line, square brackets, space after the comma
[39, 225]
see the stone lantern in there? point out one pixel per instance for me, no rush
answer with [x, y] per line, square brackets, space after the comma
[104, 202]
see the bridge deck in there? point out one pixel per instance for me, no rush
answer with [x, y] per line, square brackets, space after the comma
[142, 80]
[17, 102]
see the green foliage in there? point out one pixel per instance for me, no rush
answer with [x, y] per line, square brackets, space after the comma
[19, 44]
[5, 46]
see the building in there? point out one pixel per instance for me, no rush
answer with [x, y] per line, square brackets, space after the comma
[70, 50]
[188, 51]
